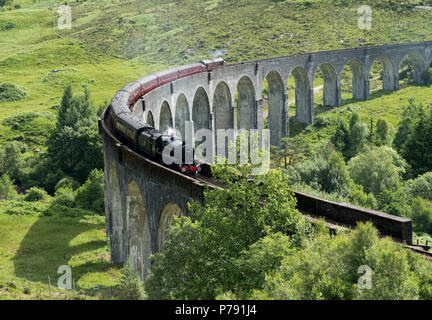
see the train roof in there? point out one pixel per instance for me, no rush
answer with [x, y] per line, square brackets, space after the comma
[119, 103]
[165, 72]
[147, 79]
[132, 86]
[131, 121]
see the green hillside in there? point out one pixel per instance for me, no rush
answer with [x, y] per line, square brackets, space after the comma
[113, 42]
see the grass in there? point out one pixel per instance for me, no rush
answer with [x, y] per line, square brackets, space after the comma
[113, 42]
[33, 246]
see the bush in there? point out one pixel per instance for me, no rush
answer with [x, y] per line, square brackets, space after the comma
[7, 189]
[420, 187]
[16, 121]
[90, 195]
[421, 215]
[35, 194]
[11, 92]
[131, 285]
[67, 182]
[7, 26]
[64, 197]
[328, 268]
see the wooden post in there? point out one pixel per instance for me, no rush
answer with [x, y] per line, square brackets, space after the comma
[49, 285]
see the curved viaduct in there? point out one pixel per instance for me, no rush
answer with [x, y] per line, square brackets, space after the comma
[142, 197]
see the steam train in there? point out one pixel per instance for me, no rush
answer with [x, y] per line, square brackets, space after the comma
[142, 137]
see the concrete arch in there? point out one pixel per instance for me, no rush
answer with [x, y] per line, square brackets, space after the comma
[138, 232]
[331, 92]
[276, 107]
[246, 104]
[181, 115]
[166, 220]
[418, 63]
[165, 119]
[201, 110]
[360, 83]
[390, 80]
[115, 215]
[303, 96]
[223, 112]
[150, 119]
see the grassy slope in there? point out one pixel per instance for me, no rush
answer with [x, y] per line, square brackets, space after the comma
[152, 34]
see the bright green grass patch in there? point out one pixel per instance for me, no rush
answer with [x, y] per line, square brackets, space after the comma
[32, 248]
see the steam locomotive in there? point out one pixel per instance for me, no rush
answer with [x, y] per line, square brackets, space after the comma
[142, 137]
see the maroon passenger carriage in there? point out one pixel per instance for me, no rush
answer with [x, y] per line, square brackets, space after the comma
[140, 136]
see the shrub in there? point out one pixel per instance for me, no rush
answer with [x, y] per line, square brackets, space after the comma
[35, 194]
[11, 92]
[421, 215]
[16, 121]
[420, 187]
[131, 285]
[67, 182]
[90, 195]
[7, 189]
[64, 197]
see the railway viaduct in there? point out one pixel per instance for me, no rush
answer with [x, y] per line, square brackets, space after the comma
[142, 197]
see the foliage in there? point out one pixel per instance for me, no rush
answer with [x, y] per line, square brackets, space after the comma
[206, 257]
[17, 121]
[67, 182]
[131, 285]
[405, 126]
[382, 134]
[328, 269]
[64, 197]
[377, 169]
[422, 215]
[11, 159]
[7, 189]
[350, 139]
[11, 92]
[417, 149]
[420, 187]
[35, 194]
[90, 195]
[74, 146]
[293, 150]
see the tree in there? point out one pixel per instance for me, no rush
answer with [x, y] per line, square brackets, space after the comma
[74, 146]
[377, 169]
[327, 268]
[350, 139]
[382, 134]
[410, 115]
[204, 257]
[293, 150]
[420, 187]
[357, 136]
[90, 195]
[11, 160]
[421, 214]
[340, 138]
[417, 149]
[7, 188]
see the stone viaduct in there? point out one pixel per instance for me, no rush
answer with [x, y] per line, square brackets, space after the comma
[142, 197]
